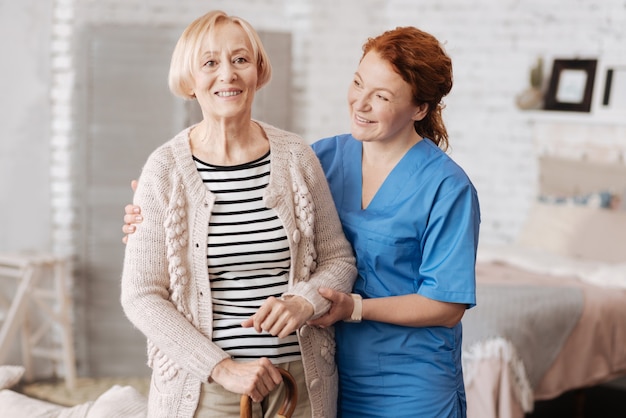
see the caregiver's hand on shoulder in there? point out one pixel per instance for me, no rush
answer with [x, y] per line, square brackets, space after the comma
[132, 216]
[280, 317]
[341, 308]
[254, 378]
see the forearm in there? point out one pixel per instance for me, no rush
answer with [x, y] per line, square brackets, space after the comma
[413, 311]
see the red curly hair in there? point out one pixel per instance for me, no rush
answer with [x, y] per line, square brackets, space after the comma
[421, 61]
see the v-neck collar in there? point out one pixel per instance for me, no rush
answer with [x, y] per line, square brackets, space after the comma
[392, 186]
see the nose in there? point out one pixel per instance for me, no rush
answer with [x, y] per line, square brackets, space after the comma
[227, 72]
[360, 101]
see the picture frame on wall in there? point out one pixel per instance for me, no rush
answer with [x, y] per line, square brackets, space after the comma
[614, 88]
[571, 85]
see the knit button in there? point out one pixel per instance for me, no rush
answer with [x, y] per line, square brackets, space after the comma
[189, 395]
[315, 384]
[324, 351]
[304, 331]
[296, 236]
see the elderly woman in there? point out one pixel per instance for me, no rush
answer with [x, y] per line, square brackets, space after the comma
[239, 233]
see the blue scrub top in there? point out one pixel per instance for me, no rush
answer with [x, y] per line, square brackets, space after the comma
[419, 234]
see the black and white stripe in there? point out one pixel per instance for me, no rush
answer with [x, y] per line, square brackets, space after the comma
[248, 259]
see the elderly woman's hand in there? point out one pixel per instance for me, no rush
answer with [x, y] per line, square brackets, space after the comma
[280, 317]
[255, 378]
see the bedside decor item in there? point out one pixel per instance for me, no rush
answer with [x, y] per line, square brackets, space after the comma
[571, 85]
[532, 97]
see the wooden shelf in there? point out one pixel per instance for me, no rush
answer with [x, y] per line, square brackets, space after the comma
[604, 118]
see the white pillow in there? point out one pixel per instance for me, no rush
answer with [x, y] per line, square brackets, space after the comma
[13, 404]
[10, 376]
[576, 231]
[119, 401]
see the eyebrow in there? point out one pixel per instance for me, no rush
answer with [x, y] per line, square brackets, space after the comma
[356, 73]
[235, 51]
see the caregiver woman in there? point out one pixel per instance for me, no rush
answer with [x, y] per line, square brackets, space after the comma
[412, 217]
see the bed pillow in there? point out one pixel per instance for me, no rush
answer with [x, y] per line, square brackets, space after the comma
[13, 404]
[10, 376]
[120, 401]
[577, 231]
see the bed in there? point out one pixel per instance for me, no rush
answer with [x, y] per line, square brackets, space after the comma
[551, 307]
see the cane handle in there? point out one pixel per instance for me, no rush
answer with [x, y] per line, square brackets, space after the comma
[289, 404]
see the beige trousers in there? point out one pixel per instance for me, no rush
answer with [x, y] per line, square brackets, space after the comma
[217, 402]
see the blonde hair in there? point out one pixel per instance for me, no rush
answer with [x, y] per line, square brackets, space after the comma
[187, 52]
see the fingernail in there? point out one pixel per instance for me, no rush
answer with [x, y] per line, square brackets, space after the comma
[138, 218]
[135, 210]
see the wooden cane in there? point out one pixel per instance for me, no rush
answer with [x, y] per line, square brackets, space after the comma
[288, 406]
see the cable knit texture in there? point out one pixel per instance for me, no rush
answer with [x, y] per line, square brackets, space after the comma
[165, 286]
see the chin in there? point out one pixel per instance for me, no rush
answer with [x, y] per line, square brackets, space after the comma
[359, 132]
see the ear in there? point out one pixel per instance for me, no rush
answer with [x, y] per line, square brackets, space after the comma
[420, 112]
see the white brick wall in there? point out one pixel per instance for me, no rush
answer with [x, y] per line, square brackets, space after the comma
[493, 44]
[62, 140]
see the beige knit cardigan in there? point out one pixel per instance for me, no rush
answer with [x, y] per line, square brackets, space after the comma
[165, 287]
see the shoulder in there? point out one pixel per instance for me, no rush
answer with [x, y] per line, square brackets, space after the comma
[332, 144]
[331, 151]
[167, 154]
[276, 134]
[169, 163]
[442, 165]
[287, 146]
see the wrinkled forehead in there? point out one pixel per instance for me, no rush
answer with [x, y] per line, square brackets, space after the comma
[226, 35]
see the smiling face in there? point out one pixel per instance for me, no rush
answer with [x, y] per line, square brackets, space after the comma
[380, 102]
[226, 78]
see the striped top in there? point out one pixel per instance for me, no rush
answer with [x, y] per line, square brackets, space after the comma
[248, 259]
